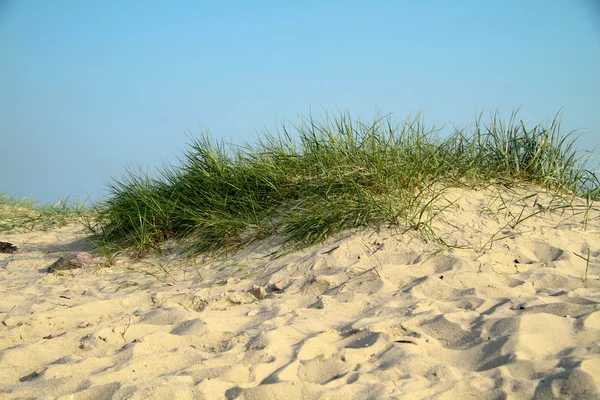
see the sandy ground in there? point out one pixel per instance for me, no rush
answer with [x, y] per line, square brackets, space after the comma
[504, 313]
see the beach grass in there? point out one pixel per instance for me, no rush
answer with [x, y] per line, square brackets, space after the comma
[324, 175]
[25, 215]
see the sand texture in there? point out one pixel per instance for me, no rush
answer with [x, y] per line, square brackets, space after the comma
[503, 312]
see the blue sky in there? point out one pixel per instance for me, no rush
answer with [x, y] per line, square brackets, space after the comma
[89, 87]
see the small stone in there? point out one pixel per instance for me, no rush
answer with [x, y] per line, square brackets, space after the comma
[6, 247]
[240, 298]
[86, 346]
[232, 281]
[259, 292]
[70, 261]
[320, 304]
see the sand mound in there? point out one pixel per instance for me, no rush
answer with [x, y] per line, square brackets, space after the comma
[503, 313]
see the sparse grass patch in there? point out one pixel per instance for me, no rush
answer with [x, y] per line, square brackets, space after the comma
[24, 215]
[324, 176]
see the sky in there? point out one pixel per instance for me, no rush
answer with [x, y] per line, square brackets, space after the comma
[88, 88]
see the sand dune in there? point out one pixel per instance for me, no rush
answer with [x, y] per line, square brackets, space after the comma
[502, 312]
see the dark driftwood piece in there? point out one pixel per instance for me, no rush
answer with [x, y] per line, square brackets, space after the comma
[6, 247]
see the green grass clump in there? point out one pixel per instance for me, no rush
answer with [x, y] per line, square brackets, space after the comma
[327, 176]
[24, 215]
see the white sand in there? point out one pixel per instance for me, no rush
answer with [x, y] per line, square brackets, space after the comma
[370, 315]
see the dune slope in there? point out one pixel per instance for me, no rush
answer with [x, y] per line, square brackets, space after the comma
[504, 311]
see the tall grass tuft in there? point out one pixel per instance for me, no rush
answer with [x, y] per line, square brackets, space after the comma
[320, 177]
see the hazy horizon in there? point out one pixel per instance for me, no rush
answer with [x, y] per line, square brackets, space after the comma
[89, 88]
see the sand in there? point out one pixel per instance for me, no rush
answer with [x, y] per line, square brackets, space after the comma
[501, 313]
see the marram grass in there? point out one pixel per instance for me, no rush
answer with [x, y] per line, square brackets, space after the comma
[325, 176]
[24, 215]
